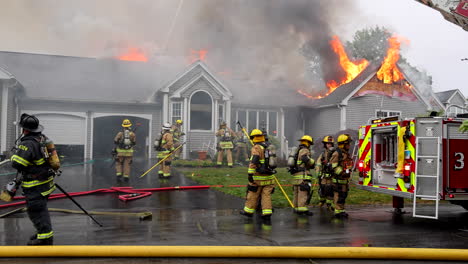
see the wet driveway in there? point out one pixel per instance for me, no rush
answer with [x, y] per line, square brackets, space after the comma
[209, 217]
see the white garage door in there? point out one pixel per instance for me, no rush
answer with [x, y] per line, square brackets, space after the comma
[64, 129]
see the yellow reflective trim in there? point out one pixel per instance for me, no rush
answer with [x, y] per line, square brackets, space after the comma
[302, 177]
[20, 160]
[251, 170]
[261, 178]
[302, 209]
[249, 210]
[23, 147]
[29, 184]
[39, 161]
[45, 235]
[267, 211]
[124, 150]
[48, 192]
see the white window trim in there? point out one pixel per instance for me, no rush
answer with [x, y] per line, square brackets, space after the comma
[171, 108]
[267, 111]
[213, 113]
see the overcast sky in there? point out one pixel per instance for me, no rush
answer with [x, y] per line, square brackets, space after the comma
[92, 28]
[436, 45]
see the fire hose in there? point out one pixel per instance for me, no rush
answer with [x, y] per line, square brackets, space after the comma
[142, 215]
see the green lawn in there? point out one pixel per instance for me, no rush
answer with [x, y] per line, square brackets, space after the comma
[238, 176]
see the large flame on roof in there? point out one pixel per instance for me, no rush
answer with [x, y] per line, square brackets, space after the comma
[389, 72]
[133, 54]
[351, 69]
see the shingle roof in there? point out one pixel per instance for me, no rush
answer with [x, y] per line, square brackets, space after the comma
[445, 95]
[65, 77]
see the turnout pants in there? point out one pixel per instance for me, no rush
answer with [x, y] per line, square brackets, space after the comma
[241, 151]
[221, 155]
[165, 167]
[256, 191]
[301, 194]
[326, 190]
[38, 212]
[122, 165]
[177, 152]
[340, 192]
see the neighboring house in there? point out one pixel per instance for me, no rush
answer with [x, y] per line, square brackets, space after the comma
[454, 102]
[82, 101]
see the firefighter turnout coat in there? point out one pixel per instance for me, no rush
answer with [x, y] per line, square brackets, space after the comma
[167, 144]
[342, 165]
[302, 179]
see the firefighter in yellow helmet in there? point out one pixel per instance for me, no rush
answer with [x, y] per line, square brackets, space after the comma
[342, 165]
[302, 176]
[324, 172]
[260, 176]
[125, 141]
[176, 130]
[225, 137]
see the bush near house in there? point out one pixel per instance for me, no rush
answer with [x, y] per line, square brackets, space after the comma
[238, 176]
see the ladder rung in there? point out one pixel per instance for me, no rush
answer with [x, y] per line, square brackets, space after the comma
[427, 197]
[427, 176]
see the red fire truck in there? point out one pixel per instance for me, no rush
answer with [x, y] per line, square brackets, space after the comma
[418, 159]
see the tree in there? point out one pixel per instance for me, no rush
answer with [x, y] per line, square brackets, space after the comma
[369, 43]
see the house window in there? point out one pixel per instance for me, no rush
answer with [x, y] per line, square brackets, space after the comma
[200, 111]
[386, 113]
[176, 111]
[262, 120]
[220, 113]
[272, 123]
[252, 124]
[242, 118]
[267, 120]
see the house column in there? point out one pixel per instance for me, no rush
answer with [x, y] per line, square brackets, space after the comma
[227, 112]
[216, 113]
[165, 109]
[4, 119]
[185, 128]
[342, 116]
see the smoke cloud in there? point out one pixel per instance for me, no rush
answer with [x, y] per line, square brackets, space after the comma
[256, 40]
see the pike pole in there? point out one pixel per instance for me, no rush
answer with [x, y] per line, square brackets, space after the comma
[163, 159]
[276, 179]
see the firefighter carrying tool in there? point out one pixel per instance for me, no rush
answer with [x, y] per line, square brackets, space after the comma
[261, 177]
[162, 160]
[164, 144]
[177, 133]
[324, 172]
[302, 177]
[125, 141]
[342, 165]
[37, 161]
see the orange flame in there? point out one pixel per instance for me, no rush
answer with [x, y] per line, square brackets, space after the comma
[389, 72]
[133, 54]
[352, 69]
[197, 55]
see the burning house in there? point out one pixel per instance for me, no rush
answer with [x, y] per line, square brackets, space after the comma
[81, 101]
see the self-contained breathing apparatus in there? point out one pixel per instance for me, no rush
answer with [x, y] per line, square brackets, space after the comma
[270, 164]
[125, 142]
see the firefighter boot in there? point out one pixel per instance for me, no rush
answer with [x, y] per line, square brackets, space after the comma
[242, 212]
[41, 242]
[306, 213]
[341, 215]
[266, 219]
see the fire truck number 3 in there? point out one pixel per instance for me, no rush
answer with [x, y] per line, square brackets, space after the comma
[459, 163]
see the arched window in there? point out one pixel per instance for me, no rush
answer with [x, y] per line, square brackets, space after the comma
[200, 111]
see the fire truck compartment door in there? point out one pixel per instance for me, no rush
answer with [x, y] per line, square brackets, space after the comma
[456, 158]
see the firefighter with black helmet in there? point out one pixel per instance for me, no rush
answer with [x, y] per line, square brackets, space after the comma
[325, 172]
[37, 163]
[342, 167]
[125, 141]
[302, 176]
[225, 144]
[261, 175]
[176, 130]
[165, 146]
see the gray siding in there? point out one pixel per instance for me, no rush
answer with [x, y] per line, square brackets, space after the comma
[458, 100]
[186, 78]
[195, 140]
[323, 121]
[1, 102]
[360, 109]
[202, 84]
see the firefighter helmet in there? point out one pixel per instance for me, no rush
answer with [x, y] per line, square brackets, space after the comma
[222, 124]
[308, 139]
[30, 123]
[257, 135]
[328, 139]
[166, 126]
[126, 123]
[179, 122]
[344, 139]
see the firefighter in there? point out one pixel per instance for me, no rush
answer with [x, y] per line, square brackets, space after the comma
[166, 143]
[225, 144]
[125, 141]
[324, 172]
[177, 133]
[241, 150]
[302, 176]
[342, 165]
[261, 178]
[37, 161]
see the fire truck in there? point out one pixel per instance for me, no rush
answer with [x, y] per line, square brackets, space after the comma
[455, 11]
[418, 159]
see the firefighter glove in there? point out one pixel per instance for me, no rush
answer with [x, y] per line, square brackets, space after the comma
[251, 180]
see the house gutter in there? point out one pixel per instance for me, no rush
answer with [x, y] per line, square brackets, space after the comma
[234, 252]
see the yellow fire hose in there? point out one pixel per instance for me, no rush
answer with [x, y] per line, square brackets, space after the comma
[163, 159]
[141, 216]
[276, 179]
[235, 252]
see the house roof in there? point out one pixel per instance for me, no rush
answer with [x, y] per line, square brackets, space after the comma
[65, 77]
[445, 95]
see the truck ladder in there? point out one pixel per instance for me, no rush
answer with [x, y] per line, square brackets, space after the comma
[426, 185]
